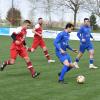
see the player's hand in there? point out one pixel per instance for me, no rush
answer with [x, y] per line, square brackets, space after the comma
[83, 40]
[40, 35]
[17, 42]
[26, 47]
[75, 50]
[62, 51]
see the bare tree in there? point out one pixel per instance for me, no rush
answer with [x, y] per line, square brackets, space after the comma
[93, 6]
[73, 5]
[48, 9]
[33, 8]
[14, 19]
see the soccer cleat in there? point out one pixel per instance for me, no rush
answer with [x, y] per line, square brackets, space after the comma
[76, 65]
[59, 73]
[35, 75]
[2, 66]
[51, 61]
[91, 66]
[62, 82]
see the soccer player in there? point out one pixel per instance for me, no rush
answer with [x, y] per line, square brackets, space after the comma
[84, 34]
[18, 48]
[61, 43]
[38, 40]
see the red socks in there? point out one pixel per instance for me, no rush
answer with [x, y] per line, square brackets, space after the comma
[30, 67]
[29, 49]
[47, 55]
[7, 62]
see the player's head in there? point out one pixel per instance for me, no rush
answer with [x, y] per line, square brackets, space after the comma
[40, 20]
[69, 27]
[26, 23]
[87, 21]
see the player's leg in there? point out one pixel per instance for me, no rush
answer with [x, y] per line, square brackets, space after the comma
[11, 61]
[67, 66]
[34, 45]
[24, 55]
[91, 55]
[80, 54]
[45, 50]
[64, 70]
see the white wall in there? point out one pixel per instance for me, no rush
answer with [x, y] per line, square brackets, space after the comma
[50, 34]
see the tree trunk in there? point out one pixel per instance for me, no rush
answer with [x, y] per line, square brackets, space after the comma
[75, 16]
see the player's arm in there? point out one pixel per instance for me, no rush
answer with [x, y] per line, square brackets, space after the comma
[15, 33]
[79, 33]
[92, 37]
[36, 32]
[35, 28]
[57, 41]
[13, 36]
[24, 43]
[74, 50]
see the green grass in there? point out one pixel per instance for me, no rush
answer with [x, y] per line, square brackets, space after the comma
[16, 82]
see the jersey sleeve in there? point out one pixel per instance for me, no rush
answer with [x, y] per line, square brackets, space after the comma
[68, 46]
[57, 41]
[15, 32]
[37, 26]
[79, 33]
[18, 30]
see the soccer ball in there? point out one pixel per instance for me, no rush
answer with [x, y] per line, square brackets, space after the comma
[80, 79]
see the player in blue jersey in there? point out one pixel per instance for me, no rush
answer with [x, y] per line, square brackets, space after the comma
[84, 34]
[61, 43]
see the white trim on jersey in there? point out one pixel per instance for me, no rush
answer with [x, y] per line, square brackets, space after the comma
[18, 29]
[37, 26]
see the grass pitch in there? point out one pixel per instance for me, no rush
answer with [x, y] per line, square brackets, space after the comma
[16, 82]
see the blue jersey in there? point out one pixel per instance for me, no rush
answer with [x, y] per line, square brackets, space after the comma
[84, 33]
[62, 41]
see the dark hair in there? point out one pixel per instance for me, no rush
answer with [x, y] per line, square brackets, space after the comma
[39, 18]
[27, 21]
[69, 25]
[86, 19]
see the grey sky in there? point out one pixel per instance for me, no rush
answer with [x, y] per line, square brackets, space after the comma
[24, 7]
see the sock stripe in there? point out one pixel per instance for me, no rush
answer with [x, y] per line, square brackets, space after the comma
[29, 66]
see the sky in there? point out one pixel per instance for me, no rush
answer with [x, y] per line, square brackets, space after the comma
[25, 8]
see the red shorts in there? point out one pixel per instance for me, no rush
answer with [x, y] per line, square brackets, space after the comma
[14, 52]
[38, 42]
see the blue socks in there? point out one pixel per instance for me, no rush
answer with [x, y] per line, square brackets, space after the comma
[77, 60]
[65, 69]
[91, 61]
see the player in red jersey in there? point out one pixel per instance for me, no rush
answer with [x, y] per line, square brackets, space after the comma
[18, 48]
[38, 40]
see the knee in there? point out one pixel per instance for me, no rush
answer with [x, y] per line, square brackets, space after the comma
[91, 53]
[44, 48]
[66, 64]
[12, 61]
[27, 59]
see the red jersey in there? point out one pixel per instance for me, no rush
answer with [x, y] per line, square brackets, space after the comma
[20, 36]
[38, 29]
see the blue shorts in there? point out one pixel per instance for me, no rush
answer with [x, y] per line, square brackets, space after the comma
[63, 57]
[86, 46]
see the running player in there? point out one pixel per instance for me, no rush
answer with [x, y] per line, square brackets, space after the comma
[18, 48]
[38, 40]
[84, 34]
